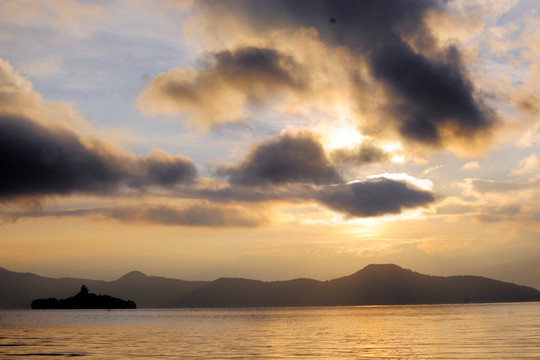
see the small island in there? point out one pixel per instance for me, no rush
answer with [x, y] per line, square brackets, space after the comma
[84, 300]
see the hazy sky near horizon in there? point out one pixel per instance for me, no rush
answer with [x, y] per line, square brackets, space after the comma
[268, 139]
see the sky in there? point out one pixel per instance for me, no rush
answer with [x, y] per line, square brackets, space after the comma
[268, 139]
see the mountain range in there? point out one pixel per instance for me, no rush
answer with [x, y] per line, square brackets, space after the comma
[374, 284]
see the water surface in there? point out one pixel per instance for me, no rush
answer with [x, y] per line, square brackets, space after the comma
[478, 331]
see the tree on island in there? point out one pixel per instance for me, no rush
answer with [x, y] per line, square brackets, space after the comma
[84, 290]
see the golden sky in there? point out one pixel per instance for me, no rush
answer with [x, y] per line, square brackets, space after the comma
[268, 139]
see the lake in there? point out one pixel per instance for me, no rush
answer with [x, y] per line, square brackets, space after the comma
[472, 331]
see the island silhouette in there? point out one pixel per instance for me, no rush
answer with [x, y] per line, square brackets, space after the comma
[84, 300]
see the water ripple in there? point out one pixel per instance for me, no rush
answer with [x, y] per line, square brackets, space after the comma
[486, 331]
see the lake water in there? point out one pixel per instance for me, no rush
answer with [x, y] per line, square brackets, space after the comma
[478, 331]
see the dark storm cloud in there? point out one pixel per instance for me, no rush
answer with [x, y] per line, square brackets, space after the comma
[374, 197]
[40, 160]
[430, 96]
[428, 91]
[289, 158]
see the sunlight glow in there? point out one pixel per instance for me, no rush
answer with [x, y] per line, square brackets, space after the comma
[343, 137]
[400, 159]
[391, 147]
[339, 131]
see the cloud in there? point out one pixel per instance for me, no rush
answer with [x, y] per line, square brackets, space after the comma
[531, 137]
[492, 207]
[18, 99]
[223, 192]
[454, 206]
[432, 169]
[528, 166]
[43, 153]
[471, 165]
[221, 92]
[294, 167]
[374, 197]
[431, 98]
[366, 198]
[482, 186]
[500, 213]
[529, 104]
[163, 169]
[496, 201]
[62, 15]
[288, 158]
[365, 153]
[40, 160]
[198, 214]
[427, 94]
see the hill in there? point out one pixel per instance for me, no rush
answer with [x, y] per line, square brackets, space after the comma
[374, 284]
[17, 290]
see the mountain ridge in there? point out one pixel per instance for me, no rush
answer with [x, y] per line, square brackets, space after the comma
[374, 284]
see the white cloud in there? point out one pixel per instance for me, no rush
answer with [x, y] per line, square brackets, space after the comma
[471, 165]
[432, 169]
[424, 184]
[528, 166]
[531, 137]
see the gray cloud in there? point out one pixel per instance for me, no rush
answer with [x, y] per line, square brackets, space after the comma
[249, 67]
[41, 160]
[199, 214]
[289, 158]
[231, 193]
[429, 96]
[529, 104]
[494, 186]
[455, 209]
[228, 82]
[163, 169]
[374, 197]
[370, 197]
[366, 153]
[499, 213]
[428, 91]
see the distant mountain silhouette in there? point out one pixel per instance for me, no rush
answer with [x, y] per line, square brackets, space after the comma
[374, 284]
[150, 291]
[84, 300]
[17, 290]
